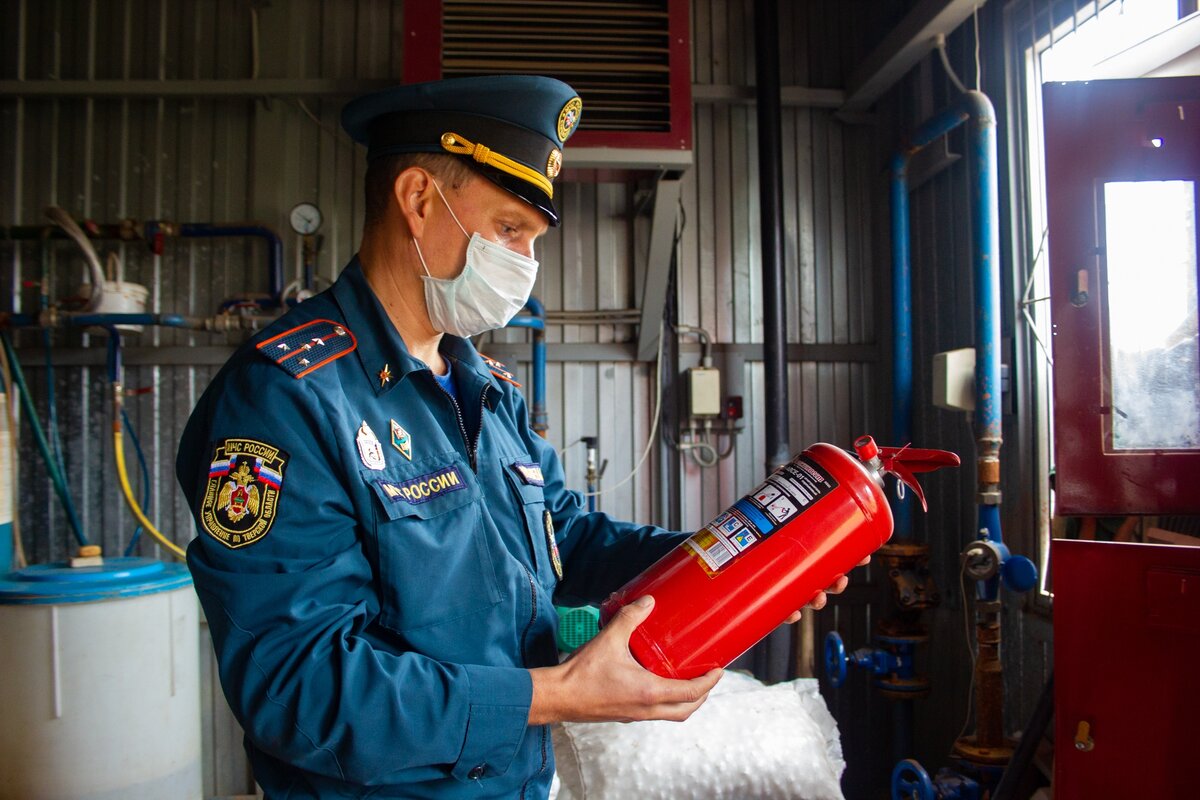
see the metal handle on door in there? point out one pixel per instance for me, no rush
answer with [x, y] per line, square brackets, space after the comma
[1083, 737]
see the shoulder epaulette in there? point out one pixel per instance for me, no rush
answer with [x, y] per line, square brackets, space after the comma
[309, 347]
[499, 370]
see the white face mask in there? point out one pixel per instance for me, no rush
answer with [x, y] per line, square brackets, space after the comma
[493, 286]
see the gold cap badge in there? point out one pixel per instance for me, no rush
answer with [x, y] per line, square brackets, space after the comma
[568, 118]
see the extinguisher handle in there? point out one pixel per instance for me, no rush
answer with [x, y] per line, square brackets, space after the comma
[903, 462]
[917, 459]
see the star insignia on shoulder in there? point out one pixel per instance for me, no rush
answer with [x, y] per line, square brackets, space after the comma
[385, 375]
[306, 348]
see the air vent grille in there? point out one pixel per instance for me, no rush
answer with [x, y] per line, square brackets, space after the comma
[614, 52]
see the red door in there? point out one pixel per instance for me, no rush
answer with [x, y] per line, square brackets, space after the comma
[1126, 645]
[1122, 174]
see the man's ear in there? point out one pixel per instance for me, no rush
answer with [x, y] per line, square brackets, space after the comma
[414, 194]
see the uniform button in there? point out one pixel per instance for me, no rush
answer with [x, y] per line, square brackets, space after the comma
[476, 772]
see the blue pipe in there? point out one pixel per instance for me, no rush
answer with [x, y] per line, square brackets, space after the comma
[985, 217]
[902, 345]
[204, 230]
[108, 320]
[7, 550]
[537, 322]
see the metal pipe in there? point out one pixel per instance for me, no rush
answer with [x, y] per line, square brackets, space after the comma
[592, 473]
[155, 232]
[770, 181]
[902, 345]
[977, 108]
[537, 323]
[60, 319]
[771, 660]
[204, 230]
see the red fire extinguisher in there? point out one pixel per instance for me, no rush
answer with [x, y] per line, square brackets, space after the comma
[739, 577]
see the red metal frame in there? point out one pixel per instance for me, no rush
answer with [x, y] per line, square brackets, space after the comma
[1126, 645]
[423, 62]
[1098, 132]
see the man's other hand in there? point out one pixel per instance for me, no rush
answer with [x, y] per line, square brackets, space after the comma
[601, 682]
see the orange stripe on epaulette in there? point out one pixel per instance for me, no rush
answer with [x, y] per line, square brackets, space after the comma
[308, 347]
[499, 370]
[506, 377]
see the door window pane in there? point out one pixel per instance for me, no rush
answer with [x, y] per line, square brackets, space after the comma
[1150, 231]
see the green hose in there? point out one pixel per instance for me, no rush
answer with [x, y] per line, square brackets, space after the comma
[56, 476]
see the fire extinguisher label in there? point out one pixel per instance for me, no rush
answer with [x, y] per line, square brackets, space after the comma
[789, 492]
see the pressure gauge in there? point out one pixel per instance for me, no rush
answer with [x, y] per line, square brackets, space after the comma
[305, 219]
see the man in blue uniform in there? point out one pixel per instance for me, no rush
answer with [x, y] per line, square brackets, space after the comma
[381, 533]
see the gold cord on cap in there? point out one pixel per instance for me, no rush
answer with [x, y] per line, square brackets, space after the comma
[453, 143]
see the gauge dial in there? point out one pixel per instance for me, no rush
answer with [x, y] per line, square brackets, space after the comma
[305, 219]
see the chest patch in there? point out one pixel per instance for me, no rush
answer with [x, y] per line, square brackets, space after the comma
[423, 488]
[531, 474]
[241, 499]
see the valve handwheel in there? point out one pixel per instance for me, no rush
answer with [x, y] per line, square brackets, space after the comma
[910, 781]
[835, 659]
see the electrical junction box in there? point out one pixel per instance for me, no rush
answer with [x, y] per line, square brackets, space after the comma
[704, 385]
[954, 379]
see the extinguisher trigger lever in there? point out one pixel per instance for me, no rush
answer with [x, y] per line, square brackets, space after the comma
[903, 462]
[906, 478]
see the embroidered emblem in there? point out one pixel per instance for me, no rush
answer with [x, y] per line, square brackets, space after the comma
[552, 543]
[385, 375]
[531, 474]
[424, 488]
[401, 440]
[241, 499]
[369, 448]
[499, 370]
[326, 341]
[568, 118]
[554, 165]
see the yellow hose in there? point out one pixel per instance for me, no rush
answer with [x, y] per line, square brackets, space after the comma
[119, 451]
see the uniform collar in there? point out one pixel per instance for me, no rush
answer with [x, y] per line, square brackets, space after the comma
[381, 352]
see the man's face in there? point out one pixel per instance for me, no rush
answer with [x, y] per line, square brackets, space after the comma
[484, 208]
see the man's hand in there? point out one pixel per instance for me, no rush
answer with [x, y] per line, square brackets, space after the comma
[818, 602]
[601, 682]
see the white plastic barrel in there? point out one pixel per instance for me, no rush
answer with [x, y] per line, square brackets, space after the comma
[99, 683]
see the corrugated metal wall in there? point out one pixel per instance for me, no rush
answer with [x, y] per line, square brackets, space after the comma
[134, 154]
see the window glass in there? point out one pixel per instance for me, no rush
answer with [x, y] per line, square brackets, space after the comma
[1150, 247]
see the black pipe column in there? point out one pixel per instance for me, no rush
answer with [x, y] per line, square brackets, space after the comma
[770, 187]
[773, 659]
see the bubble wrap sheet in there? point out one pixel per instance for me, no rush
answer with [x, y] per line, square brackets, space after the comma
[748, 741]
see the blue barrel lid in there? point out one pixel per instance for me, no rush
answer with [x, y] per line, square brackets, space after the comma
[115, 578]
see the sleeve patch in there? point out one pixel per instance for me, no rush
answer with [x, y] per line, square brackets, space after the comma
[309, 347]
[241, 499]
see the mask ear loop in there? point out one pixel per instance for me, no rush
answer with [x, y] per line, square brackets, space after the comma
[424, 266]
[453, 216]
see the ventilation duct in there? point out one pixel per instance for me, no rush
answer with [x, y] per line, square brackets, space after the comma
[628, 59]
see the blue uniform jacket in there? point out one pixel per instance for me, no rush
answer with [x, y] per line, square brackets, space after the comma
[377, 563]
